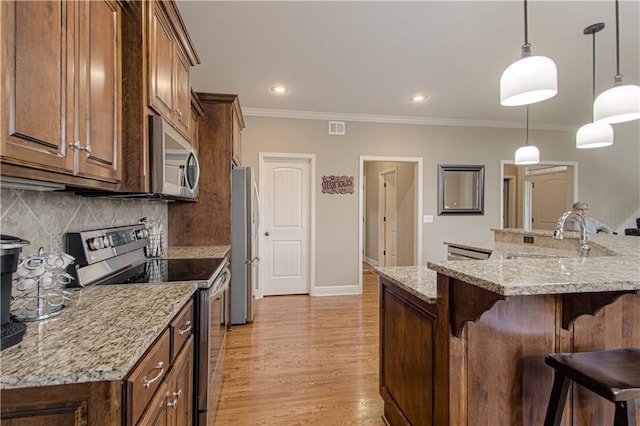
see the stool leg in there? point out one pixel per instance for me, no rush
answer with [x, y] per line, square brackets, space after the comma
[625, 413]
[556, 400]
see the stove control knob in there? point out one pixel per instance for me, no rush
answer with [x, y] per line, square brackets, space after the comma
[106, 242]
[95, 243]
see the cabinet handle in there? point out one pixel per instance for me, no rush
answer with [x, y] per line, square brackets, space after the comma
[86, 148]
[147, 383]
[178, 394]
[179, 112]
[173, 404]
[186, 329]
[75, 145]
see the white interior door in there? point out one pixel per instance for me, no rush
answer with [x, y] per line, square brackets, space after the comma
[388, 218]
[285, 227]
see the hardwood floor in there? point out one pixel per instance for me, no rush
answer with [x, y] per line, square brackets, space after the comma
[305, 360]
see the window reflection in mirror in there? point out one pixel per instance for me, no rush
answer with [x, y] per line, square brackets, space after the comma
[460, 189]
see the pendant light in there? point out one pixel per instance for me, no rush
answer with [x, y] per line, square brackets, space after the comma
[530, 79]
[594, 135]
[527, 154]
[622, 102]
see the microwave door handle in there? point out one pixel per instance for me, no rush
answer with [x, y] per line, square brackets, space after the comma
[193, 158]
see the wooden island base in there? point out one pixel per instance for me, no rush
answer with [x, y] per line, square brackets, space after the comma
[494, 372]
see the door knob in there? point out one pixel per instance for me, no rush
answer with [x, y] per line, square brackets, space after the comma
[266, 234]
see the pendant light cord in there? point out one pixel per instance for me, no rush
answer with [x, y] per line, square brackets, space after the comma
[617, 43]
[526, 29]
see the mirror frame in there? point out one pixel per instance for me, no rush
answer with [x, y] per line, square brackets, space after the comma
[478, 207]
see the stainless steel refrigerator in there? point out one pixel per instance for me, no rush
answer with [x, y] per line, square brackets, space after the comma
[244, 243]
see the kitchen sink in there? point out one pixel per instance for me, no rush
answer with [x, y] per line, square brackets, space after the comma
[532, 256]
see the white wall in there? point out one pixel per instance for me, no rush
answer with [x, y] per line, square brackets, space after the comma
[609, 177]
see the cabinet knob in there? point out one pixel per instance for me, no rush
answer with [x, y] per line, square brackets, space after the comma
[86, 148]
[266, 234]
[75, 145]
[179, 112]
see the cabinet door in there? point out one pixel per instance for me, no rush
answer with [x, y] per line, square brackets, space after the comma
[37, 93]
[179, 394]
[99, 90]
[161, 57]
[182, 116]
[156, 414]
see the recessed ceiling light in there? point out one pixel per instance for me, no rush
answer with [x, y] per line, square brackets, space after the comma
[419, 97]
[279, 89]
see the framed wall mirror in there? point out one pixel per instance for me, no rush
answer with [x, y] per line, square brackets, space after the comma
[460, 189]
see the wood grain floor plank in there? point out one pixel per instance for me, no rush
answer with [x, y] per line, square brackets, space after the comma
[305, 361]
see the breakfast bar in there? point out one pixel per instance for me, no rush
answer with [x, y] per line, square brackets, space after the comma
[463, 342]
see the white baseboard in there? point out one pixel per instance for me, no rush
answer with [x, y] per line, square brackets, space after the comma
[340, 290]
[371, 261]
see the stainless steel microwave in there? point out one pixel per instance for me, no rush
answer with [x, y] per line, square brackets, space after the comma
[175, 170]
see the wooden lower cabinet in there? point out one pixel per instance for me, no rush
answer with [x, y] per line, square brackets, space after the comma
[407, 333]
[97, 403]
[172, 404]
[167, 379]
[476, 359]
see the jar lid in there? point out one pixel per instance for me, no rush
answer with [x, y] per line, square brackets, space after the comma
[8, 242]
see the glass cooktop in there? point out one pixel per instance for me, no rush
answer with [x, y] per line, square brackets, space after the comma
[168, 270]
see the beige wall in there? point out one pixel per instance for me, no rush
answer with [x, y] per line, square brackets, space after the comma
[405, 205]
[609, 178]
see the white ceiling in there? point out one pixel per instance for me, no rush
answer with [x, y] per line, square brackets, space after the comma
[363, 60]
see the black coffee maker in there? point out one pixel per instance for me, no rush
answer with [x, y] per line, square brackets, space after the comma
[10, 248]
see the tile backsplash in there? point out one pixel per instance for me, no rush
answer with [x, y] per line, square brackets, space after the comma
[43, 218]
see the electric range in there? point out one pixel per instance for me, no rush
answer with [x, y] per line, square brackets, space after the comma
[113, 256]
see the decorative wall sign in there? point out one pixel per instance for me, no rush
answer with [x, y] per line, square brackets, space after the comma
[337, 184]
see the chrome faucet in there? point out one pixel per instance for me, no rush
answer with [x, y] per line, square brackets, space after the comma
[558, 234]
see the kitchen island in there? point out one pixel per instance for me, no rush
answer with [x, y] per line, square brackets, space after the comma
[463, 342]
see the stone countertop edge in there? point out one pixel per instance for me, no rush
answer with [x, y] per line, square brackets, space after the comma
[558, 272]
[561, 272]
[417, 280]
[100, 336]
[197, 251]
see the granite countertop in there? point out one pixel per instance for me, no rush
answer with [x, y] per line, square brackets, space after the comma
[534, 270]
[100, 335]
[197, 251]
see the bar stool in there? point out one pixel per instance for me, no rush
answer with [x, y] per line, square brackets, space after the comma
[612, 374]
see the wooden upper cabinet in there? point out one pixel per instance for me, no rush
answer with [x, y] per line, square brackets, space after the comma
[169, 67]
[161, 58]
[183, 95]
[236, 136]
[100, 88]
[61, 98]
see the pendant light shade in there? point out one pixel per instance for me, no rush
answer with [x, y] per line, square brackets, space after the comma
[527, 154]
[594, 135]
[618, 104]
[622, 102]
[530, 79]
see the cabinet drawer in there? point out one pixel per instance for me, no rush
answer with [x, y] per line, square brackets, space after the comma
[147, 376]
[181, 328]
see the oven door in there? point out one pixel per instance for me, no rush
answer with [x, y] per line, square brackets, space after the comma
[214, 317]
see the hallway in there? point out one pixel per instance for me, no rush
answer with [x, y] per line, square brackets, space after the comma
[305, 360]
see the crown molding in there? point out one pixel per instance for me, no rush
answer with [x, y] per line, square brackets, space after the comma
[392, 119]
